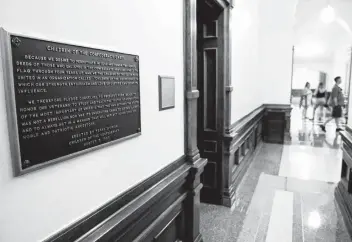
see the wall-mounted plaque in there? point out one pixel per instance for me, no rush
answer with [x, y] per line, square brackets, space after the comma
[65, 100]
[166, 92]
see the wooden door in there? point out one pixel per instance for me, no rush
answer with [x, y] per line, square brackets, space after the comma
[210, 79]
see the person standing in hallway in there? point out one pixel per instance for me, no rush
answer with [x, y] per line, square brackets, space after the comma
[306, 100]
[337, 100]
[320, 99]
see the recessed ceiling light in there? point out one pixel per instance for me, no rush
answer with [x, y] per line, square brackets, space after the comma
[327, 15]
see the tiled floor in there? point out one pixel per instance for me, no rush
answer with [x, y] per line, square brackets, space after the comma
[293, 210]
[311, 163]
[287, 194]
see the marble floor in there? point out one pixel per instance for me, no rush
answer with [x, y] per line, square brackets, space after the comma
[287, 193]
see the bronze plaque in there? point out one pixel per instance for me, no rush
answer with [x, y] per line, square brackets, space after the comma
[66, 100]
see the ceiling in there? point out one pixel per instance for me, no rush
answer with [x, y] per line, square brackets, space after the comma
[315, 39]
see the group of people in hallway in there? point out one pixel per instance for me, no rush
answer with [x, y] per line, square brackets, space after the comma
[334, 103]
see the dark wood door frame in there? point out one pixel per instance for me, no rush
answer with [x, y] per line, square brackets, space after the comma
[190, 83]
[349, 83]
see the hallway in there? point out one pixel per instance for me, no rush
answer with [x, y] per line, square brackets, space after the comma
[142, 121]
[287, 193]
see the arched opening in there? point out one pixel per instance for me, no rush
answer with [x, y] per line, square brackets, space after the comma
[322, 50]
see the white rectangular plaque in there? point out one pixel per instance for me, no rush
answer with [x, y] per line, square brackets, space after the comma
[166, 92]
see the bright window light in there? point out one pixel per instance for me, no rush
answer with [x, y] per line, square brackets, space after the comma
[327, 15]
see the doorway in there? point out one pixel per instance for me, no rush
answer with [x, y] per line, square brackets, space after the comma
[320, 70]
[210, 83]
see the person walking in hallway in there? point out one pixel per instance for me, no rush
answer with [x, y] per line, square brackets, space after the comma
[306, 100]
[320, 100]
[336, 100]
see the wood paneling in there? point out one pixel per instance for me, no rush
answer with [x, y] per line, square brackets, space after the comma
[240, 146]
[162, 208]
[343, 192]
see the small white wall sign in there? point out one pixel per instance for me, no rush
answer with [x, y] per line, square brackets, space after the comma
[166, 92]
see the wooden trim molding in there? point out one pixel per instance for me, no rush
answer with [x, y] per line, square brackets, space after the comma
[343, 191]
[344, 201]
[83, 226]
[191, 94]
[277, 123]
[269, 123]
[190, 79]
[241, 123]
[240, 147]
[157, 209]
[172, 194]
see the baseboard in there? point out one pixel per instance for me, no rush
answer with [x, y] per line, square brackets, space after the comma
[157, 209]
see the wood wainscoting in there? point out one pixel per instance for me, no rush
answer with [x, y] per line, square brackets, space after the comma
[240, 146]
[277, 123]
[343, 192]
[269, 123]
[163, 208]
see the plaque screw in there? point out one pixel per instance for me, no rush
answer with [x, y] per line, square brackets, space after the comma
[26, 163]
[136, 58]
[139, 130]
[16, 41]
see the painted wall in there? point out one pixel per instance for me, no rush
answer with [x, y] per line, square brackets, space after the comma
[275, 49]
[246, 95]
[37, 205]
[261, 54]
